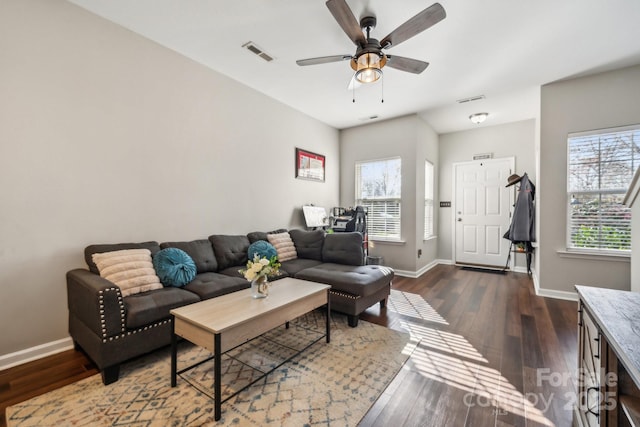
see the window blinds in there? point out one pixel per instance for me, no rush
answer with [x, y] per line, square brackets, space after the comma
[601, 165]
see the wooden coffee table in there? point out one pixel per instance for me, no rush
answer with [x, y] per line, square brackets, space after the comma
[225, 322]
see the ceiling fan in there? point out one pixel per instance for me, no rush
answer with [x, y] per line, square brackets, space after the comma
[369, 57]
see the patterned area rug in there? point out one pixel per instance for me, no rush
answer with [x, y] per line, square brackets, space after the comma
[331, 384]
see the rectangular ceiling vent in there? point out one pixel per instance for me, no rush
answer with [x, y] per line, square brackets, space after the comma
[470, 99]
[251, 47]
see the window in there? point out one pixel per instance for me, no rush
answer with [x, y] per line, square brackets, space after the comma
[601, 166]
[378, 191]
[428, 199]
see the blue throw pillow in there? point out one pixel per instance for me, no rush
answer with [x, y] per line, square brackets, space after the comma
[174, 267]
[263, 249]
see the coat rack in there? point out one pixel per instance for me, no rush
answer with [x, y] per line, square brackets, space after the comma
[522, 232]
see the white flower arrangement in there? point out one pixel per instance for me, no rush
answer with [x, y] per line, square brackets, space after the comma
[260, 267]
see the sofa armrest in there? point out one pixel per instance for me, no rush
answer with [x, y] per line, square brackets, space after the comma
[96, 302]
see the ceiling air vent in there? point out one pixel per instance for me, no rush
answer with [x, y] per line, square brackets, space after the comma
[470, 99]
[251, 47]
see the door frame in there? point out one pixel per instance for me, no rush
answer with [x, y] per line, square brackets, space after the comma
[455, 165]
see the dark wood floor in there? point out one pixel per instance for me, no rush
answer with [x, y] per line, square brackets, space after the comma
[491, 354]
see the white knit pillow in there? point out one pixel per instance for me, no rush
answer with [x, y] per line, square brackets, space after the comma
[284, 246]
[131, 269]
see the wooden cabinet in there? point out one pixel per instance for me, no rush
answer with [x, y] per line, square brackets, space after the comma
[597, 374]
[588, 369]
[608, 358]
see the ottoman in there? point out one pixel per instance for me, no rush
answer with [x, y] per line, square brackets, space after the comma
[353, 288]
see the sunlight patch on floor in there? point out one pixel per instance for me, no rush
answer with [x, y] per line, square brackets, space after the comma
[451, 359]
[444, 341]
[413, 305]
[484, 386]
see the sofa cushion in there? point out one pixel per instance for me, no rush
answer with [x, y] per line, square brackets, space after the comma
[284, 246]
[199, 250]
[211, 285]
[343, 248]
[230, 251]
[256, 236]
[293, 266]
[174, 267]
[148, 307]
[233, 271]
[130, 269]
[262, 249]
[308, 243]
[360, 280]
[110, 247]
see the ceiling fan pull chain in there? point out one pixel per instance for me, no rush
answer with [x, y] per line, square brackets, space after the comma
[353, 89]
[382, 89]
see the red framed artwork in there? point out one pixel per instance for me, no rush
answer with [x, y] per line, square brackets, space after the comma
[309, 165]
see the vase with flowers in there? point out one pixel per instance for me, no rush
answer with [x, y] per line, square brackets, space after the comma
[258, 271]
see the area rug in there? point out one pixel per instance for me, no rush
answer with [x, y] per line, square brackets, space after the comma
[331, 384]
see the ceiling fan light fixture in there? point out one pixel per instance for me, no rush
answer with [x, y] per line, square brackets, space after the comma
[478, 118]
[368, 68]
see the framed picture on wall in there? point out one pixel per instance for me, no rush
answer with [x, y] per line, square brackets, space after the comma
[309, 165]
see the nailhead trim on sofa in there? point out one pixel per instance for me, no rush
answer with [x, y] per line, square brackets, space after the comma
[101, 308]
[123, 328]
[163, 322]
[344, 294]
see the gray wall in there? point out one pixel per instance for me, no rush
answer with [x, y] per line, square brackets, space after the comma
[414, 141]
[600, 101]
[108, 137]
[509, 140]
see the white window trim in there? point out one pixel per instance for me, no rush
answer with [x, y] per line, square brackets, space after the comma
[590, 253]
[359, 201]
[387, 241]
[594, 256]
[426, 236]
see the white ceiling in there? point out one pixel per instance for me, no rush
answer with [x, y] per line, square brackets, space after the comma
[503, 49]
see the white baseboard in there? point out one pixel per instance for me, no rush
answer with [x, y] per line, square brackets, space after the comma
[536, 281]
[34, 353]
[406, 273]
[416, 274]
[552, 293]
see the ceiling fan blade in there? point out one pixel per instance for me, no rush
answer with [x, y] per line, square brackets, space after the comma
[406, 64]
[349, 24]
[322, 60]
[423, 20]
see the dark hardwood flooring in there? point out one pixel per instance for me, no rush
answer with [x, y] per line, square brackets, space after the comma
[491, 354]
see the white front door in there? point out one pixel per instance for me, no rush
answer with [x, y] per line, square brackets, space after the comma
[481, 210]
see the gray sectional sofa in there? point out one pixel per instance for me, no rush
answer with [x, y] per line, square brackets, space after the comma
[111, 328]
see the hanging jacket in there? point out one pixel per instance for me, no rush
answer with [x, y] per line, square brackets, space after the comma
[523, 223]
